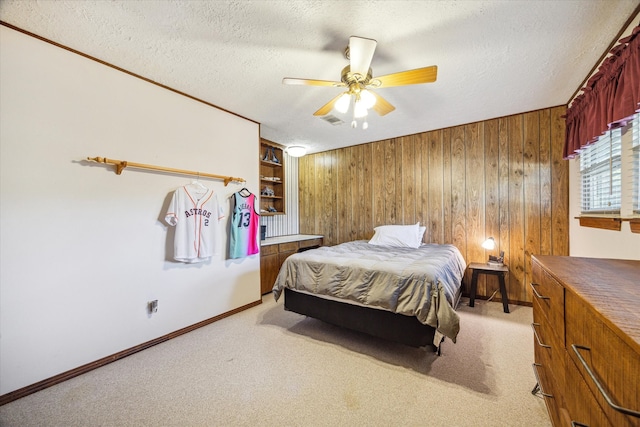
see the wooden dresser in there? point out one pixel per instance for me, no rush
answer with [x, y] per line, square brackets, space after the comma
[586, 324]
[273, 252]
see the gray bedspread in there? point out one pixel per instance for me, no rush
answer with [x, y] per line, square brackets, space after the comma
[418, 282]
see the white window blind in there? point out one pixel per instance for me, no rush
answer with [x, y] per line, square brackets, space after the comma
[635, 144]
[600, 172]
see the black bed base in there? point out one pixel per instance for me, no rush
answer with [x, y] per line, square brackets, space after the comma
[378, 323]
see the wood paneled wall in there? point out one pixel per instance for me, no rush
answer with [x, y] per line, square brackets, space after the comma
[503, 177]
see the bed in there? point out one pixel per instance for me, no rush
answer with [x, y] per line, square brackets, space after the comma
[403, 294]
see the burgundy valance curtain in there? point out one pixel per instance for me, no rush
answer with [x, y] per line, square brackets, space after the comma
[609, 99]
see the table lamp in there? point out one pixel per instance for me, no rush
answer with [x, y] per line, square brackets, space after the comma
[490, 244]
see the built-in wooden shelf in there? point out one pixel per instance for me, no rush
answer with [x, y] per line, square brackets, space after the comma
[272, 169]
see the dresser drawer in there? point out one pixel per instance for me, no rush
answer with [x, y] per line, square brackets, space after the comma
[268, 250]
[549, 294]
[282, 256]
[593, 346]
[311, 242]
[288, 247]
[582, 407]
[548, 390]
[547, 347]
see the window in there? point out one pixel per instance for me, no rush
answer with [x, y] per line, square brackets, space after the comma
[601, 175]
[610, 179]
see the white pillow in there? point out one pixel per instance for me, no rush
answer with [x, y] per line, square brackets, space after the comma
[397, 235]
[421, 231]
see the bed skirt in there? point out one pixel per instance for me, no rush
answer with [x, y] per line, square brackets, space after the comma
[379, 323]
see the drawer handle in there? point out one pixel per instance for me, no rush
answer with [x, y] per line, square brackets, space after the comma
[533, 285]
[627, 411]
[535, 372]
[577, 424]
[535, 334]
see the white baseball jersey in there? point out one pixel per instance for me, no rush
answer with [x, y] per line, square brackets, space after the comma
[196, 214]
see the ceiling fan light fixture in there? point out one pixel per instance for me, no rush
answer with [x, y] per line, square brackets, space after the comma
[342, 104]
[367, 99]
[357, 77]
[296, 151]
[360, 109]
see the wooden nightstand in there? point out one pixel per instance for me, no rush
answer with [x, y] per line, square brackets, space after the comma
[496, 270]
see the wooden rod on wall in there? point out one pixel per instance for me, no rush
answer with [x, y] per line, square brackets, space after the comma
[121, 164]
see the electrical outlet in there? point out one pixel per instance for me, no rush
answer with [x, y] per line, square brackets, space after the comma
[152, 306]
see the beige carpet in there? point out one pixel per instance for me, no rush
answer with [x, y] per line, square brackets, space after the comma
[268, 367]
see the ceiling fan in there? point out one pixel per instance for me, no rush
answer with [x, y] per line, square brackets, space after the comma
[357, 77]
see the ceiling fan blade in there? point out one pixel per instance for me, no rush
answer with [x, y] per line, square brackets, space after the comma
[310, 82]
[382, 106]
[326, 108]
[360, 54]
[410, 77]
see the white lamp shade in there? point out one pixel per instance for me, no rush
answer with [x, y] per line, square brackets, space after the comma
[342, 104]
[489, 244]
[360, 110]
[367, 99]
[296, 151]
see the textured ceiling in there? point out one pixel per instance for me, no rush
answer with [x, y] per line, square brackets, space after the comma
[494, 58]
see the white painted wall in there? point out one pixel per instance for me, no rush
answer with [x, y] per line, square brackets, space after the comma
[83, 249]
